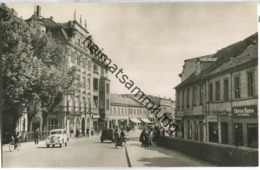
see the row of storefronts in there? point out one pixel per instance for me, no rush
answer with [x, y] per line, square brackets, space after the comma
[219, 102]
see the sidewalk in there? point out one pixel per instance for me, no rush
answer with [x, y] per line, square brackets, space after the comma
[159, 157]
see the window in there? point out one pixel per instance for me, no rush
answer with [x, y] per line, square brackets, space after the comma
[89, 65]
[78, 41]
[201, 94]
[210, 92]
[88, 83]
[114, 110]
[107, 88]
[89, 105]
[122, 111]
[183, 98]
[95, 69]
[226, 96]
[188, 98]
[217, 91]
[84, 82]
[250, 84]
[52, 123]
[101, 104]
[119, 111]
[95, 84]
[85, 103]
[102, 71]
[79, 103]
[126, 111]
[78, 60]
[237, 87]
[194, 96]
[107, 104]
[95, 98]
[84, 63]
[72, 57]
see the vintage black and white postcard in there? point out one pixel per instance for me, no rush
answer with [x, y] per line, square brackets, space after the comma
[122, 84]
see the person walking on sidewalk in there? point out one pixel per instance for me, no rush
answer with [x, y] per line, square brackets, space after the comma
[36, 136]
[87, 135]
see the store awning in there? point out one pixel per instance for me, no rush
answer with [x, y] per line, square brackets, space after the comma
[145, 120]
[135, 120]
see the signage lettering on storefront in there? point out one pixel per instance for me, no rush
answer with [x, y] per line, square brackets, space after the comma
[212, 118]
[245, 111]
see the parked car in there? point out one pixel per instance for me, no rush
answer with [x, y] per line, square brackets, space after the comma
[57, 137]
[107, 134]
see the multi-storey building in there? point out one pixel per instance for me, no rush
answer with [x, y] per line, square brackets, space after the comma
[217, 101]
[126, 111]
[88, 107]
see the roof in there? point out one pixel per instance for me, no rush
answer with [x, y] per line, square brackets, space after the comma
[228, 57]
[116, 99]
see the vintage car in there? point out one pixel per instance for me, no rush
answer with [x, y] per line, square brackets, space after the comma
[107, 134]
[57, 137]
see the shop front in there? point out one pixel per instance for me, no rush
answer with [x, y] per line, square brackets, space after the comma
[245, 124]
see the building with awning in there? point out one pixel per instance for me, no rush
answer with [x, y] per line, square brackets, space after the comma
[145, 120]
[124, 111]
[135, 120]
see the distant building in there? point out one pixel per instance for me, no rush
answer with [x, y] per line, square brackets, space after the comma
[125, 111]
[217, 98]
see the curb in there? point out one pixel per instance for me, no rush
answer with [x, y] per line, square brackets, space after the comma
[127, 157]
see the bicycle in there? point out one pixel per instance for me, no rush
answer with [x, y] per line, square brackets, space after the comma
[12, 146]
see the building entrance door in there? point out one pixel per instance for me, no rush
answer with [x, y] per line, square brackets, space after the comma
[252, 135]
[224, 132]
[238, 134]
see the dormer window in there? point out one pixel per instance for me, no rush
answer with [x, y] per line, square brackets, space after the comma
[78, 41]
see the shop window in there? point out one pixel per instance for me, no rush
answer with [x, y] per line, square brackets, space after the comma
[238, 134]
[250, 84]
[213, 132]
[226, 90]
[217, 91]
[95, 84]
[201, 131]
[224, 132]
[237, 87]
[210, 92]
[196, 131]
[252, 135]
[189, 127]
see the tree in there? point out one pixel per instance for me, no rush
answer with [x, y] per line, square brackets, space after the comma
[34, 71]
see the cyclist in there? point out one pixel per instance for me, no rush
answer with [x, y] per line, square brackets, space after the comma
[15, 137]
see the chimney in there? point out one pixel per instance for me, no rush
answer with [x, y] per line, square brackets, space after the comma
[51, 17]
[38, 10]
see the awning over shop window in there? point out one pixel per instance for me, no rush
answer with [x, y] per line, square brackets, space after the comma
[135, 120]
[145, 120]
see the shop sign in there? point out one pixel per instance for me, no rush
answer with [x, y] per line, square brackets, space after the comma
[212, 118]
[245, 111]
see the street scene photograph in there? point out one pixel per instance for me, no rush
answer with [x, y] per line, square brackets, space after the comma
[117, 85]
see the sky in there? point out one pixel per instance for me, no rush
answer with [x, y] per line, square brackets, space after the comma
[150, 41]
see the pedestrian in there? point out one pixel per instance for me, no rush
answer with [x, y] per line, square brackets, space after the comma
[77, 133]
[151, 137]
[87, 133]
[141, 139]
[146, 137]
[36, 136]
[92, 132]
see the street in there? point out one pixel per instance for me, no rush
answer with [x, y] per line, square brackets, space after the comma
[82, 152]
[90, 152]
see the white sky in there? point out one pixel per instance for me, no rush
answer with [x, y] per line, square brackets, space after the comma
[151, 41]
